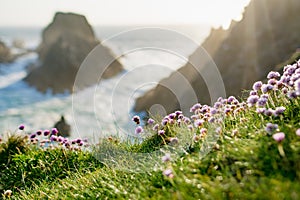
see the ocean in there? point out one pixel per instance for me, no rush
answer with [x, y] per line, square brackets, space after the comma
[148, 54]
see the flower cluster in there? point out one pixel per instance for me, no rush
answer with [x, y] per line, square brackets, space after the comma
[51, 139]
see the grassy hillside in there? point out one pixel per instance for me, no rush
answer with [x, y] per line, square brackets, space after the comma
[236, 149]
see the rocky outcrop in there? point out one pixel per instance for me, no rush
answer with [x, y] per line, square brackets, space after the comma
[5, 54]
[65, 44]
[267, 35]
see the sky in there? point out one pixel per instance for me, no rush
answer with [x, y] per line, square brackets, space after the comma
[123, 12]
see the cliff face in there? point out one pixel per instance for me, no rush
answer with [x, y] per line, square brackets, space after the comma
[5, 55]
[65, 44]
[267, 35]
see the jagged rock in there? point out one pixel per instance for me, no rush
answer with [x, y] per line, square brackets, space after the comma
[64, 129]
[65, 44]
[5, 54]
[267, 35]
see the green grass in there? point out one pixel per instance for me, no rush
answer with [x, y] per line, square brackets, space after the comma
[242, 161]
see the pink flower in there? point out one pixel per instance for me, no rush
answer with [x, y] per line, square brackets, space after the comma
[166, 157]
[298, 132]
[279, 136]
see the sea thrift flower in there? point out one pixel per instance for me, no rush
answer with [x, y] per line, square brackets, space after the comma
[257, 85]
[174, 140]
[136, 119]
[196, 138]
[186, 120]
[168, 173]
[213, 111]
[273, 74]
[203, 131]
[166, 157]
[161, 132]
[39, 132]
[139, 130]
[21, 127]
[164, 122]
[46, 132]
[178, 112]
[297, 87]
[53, 138]
[172, 116]
[270, 128]
[219, 130]
[8, 193]
[33, 135]
[198, 123]
[217, 105]
[150, 121]
[272, 82]
[269, 112]
[279, 136]
[262, 102]
[252, 100]
[211, 120]
[190, 127]
[298, 132]
[252, 93]
[279, 110]
[231, 99]
[54, 131]
[155, 127]
[292, 95]
[266, 88]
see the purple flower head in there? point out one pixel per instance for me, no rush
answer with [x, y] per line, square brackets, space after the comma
[218, 105]
[257, 85]
[161, 132]
[260, 110]
[174, 140]
[194, 117]
[186, 120]
[231, 99]
[227, 110]
[80, 143]
[284, 90]
[78, 140]
[190, 127]
[168, 173]
[54, 131]
[266, 88]
[270, 128]
[252, 93]
[279, 110]
[213, 111]
[150, 121]
[53, 138]
[39, 132]
[205, 109]
[155, 127]
[139, 130]
[33, 135]
[198, 123]
[60, 139]
[272, 82]
[279, 136]
[262, 102]
[178, 112]
[136, 119]
[166, 157]
[298, 132]
[203, 131]
[211, 120]
[21, 127]
[46, 132]
[292, 94]
[180, 116]
[273, 74]
[195, 107]
[172, 116]
[164, 122]
[266, 96]
[269, 112]
[252, 100]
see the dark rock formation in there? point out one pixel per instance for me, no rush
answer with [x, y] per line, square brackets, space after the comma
[5, 54]
[64, 129]
[65, 44]
[267, 35]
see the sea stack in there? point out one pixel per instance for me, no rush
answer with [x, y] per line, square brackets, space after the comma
[66, 42]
